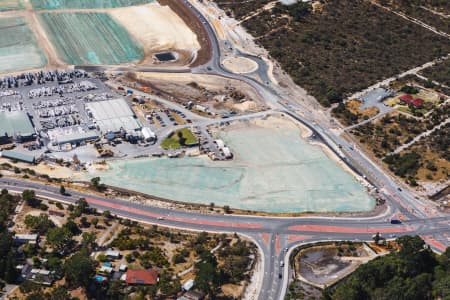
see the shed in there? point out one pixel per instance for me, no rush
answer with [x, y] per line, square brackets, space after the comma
[187, 286]
[112, 254]
[26, 238]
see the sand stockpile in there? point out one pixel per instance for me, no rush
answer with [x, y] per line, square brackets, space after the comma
[157, 28]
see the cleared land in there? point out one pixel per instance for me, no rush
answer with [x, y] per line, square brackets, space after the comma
[90, 38]
[178, 139]
[61, 4]
[10, 5]
[343, 48]
[157, 28]
[18, 46]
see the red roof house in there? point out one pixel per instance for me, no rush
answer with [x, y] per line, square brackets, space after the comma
[418, 102]
[142, 277]
[406, 98]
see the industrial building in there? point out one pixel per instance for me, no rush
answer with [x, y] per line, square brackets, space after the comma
[14, 155]
[15, 126]
[113, 116]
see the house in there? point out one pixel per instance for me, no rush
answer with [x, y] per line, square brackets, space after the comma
[105, 270]
[418, 102]
[142, 277]
[26, 238]
[192, 295]
[406, 98]
[24, 271]
[113, 254]
[41, 276]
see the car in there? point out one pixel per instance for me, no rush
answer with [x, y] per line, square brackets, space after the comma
[160, 218]
[281, 264]
[280, 275]
[399, 189]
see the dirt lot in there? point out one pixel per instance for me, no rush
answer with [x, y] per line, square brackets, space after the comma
[216, 92]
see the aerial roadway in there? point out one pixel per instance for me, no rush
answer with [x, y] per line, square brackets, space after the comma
[275, 237]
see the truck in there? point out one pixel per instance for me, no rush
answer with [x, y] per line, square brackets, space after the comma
[396, 221]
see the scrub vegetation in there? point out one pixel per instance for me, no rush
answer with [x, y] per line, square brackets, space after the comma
[413, 272]
[61, 4]
[440, 72]
[90, 38]
[340, 48]
[431, 12]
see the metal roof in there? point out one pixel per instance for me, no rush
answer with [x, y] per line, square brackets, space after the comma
[18, 156]
[15, 123]
[77, 137]
[112, 115]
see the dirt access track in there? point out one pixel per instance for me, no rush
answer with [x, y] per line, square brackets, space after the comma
[189, 17]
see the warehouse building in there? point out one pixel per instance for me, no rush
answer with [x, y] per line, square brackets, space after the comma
[16, 126]
[113, 116]
[18, 156]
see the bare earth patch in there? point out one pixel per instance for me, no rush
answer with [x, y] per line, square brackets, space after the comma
[240, 65]
[157, 28]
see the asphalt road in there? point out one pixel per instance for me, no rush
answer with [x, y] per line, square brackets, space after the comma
[273, 235]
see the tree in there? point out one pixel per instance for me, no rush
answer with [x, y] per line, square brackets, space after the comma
[72, 227]
[29, 197]
[40, 224]
[79, 269]
[88, 239]
[95, 182]
[62, 190]
[59, 293]
[94, 222]
[59, 238]
[207, 278]
[82, 205]
[107, 214]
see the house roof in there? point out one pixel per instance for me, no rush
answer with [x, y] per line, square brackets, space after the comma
[406, 98]
[418, 102]
[142, 276]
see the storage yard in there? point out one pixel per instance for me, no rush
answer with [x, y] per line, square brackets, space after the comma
[18, 46]
[107, 42]
[67, 113]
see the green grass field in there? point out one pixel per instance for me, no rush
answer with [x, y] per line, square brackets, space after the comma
[61, 4]
[90, 38]
[181, 137]
[19, 49]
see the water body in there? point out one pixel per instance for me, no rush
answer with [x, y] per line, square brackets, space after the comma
[274, 170]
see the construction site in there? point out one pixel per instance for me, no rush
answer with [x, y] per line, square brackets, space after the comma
[57, 34]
